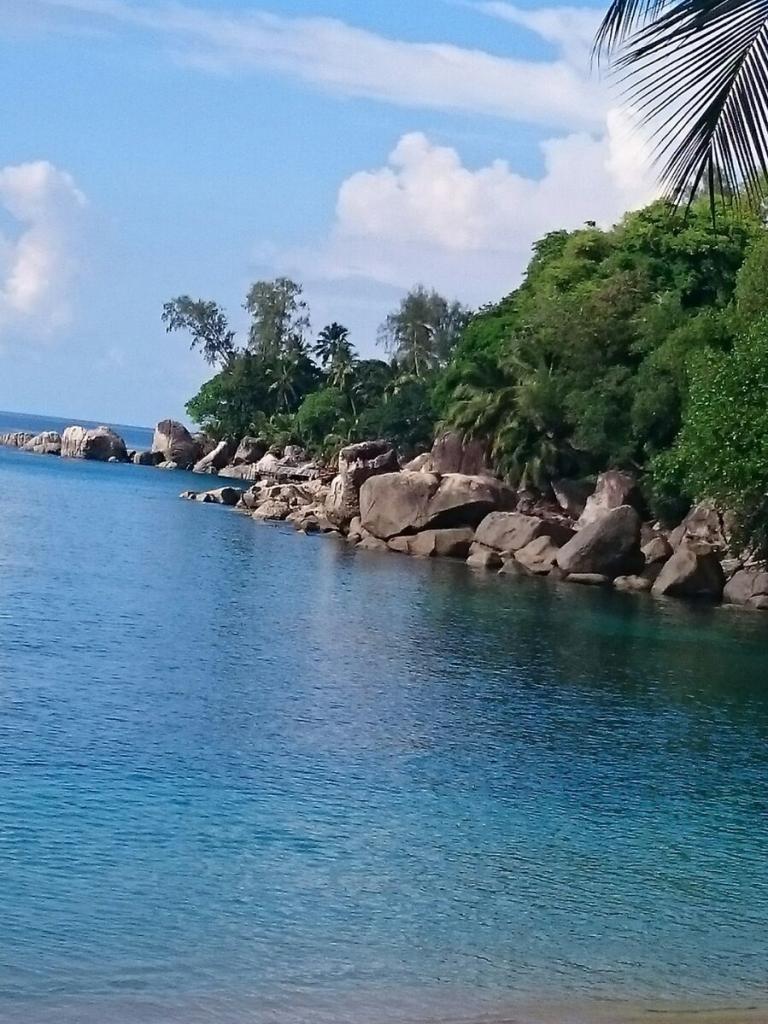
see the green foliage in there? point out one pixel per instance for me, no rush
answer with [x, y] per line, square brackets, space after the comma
[405, 415]
[321, 414]
[752, 282]
[422, 333]
[206, 322]
[279, 317]
[585, 366]
[722, 450]
[641, 346]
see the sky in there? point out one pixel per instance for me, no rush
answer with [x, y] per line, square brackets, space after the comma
[152, 149]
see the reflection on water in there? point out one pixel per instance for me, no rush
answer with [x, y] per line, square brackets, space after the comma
[251, 775]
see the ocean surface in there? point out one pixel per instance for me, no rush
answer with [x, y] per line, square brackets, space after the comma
[253, 777]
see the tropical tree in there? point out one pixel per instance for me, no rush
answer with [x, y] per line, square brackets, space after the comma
[332, 342]
[279, 317]
[696, 71]
[206, 322]
[334, 350]
[423, 331]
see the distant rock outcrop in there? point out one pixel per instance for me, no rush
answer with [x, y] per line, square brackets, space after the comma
[46, 443]
[16, 438]
[98, 444]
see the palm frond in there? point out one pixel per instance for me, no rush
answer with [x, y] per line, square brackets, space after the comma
[696, 72]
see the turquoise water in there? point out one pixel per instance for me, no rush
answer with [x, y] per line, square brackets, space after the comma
[252, 776]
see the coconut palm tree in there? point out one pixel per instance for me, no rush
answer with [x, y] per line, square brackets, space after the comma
[696, 71]
[332, 342]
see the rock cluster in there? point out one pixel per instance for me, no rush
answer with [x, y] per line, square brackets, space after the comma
[445, 503]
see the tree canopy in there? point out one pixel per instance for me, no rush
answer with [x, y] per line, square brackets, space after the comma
[639, 346]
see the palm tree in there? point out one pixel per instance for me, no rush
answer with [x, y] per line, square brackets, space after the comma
[696, 71]
[283, 376]
[423, 331]
[332, 342]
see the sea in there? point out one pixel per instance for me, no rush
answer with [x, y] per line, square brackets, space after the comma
[253, 777]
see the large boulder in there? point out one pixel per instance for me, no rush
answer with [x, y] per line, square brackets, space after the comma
[539, 556]
[749, 589]
[357, 463]
[46, 443]
[451, 453]
[510, 531]
[704, 524]
[451, 543]
[693, 571]
[176, 445]
[216, 459]
[613, 489]
[268, 464]
[229, 496]
[99, 444]
[395, 503]
[272, 508]
[610, 546]
[249, 451]
[463, 500]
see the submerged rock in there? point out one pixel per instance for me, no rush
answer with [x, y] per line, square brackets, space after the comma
[481, 557]
[588, 579]
[633, 584]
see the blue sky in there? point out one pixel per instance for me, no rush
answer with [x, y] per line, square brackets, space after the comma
[150, 149]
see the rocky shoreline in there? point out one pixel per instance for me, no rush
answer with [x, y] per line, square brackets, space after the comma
[446, 503]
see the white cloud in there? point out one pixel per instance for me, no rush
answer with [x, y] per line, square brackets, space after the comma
[570, 29]
[425, 216]
[336, 56]
[38, 264]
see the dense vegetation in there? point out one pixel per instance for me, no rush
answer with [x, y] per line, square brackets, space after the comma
[320, 394]
[643, 346]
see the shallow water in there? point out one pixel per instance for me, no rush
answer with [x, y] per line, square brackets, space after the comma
[247, 775]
